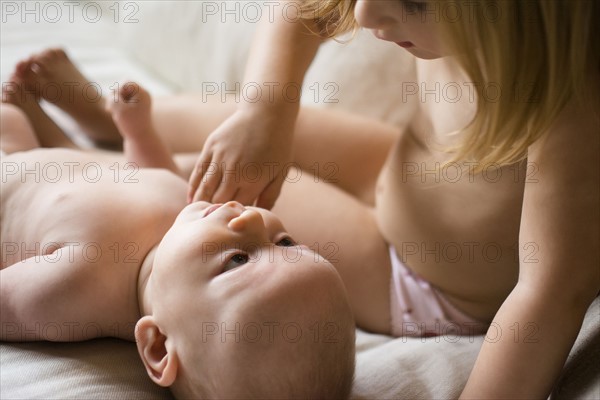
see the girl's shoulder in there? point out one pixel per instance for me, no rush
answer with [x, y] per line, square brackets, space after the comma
[570, 149]
[578, 121]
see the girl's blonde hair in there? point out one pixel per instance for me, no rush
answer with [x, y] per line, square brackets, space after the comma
[539, 53]
[333, 17]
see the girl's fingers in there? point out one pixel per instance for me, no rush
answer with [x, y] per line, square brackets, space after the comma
[270, 194]
[208, 182]
[245, 196]
[207, 188]
[197, 175]
[225, 192]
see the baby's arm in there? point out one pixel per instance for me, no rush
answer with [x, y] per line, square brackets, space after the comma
[57, 297]
[538, 323]
[260, 132]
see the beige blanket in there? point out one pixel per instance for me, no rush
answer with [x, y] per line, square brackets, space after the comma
[387, 368]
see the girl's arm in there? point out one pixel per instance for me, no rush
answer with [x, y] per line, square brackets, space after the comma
[534, 330]
[282, 51]
[260, 132]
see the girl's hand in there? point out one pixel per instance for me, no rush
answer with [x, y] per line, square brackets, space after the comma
[244, 159]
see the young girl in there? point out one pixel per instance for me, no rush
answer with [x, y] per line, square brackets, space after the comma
[487, 206]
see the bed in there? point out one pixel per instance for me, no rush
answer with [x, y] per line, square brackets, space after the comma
[184, 46]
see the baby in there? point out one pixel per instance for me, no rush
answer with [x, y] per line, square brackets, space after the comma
[220, 301]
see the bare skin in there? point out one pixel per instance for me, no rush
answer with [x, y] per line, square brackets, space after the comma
[349, 153]
[517, 246]
[82, 265]
[417, 215]
[94, 246]
[474, 266]
[474, 262]
[178, 121]
[527, 239]
[69, 241]
[66, 245]
[16, 92]
[53, 76]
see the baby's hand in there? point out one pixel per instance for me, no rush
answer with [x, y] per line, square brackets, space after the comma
[243, 160]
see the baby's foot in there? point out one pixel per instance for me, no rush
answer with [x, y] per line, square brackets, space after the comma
[61, 83]
[23, 88]
[25, 76]
[57, 80]
[130, 108]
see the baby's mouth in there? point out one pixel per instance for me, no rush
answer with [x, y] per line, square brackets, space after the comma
[211, 209]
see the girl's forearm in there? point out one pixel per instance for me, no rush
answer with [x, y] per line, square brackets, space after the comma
[282, 51]
[526, 346]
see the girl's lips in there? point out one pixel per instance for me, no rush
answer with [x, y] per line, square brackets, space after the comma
[210, 209]
[406, 45]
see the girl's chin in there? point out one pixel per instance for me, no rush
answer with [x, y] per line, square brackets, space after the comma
[423, 54]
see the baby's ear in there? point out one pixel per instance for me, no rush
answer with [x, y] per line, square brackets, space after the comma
[151, 344]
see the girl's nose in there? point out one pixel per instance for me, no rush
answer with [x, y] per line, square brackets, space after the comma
[375, 14]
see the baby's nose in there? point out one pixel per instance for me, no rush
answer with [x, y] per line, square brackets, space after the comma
[248, 221]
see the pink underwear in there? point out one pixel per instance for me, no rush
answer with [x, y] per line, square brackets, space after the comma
[418, 309]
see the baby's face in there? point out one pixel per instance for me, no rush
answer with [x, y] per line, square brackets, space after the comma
[222, 265]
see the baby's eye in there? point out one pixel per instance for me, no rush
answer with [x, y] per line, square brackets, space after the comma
[286, 242]
[235, 261]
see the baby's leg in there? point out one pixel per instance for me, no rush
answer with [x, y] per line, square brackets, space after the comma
[131, 113]
[336, 147]
[17, 93]
[184, 121]
[58, 81]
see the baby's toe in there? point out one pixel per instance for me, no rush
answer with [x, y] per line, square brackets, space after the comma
[50, 56]
[57, 53]
[129, 91]
[23, 70]
[133, 93]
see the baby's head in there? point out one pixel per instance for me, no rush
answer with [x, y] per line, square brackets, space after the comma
[238, 310]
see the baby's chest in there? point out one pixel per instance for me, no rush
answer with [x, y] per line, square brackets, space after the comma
[103, 226]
